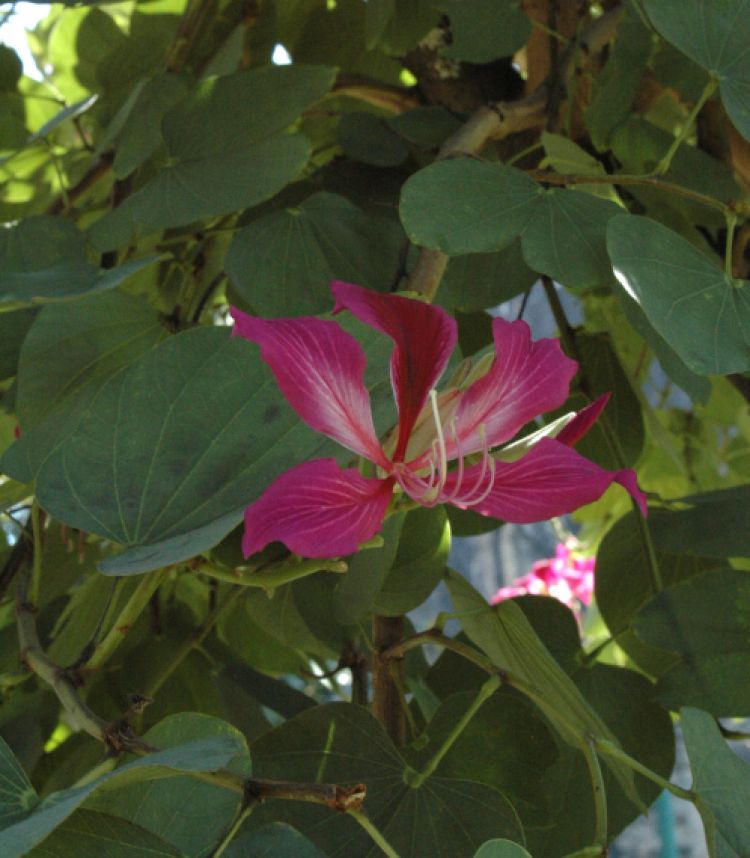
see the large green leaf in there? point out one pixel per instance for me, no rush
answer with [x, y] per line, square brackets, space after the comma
[342, 743]
[283, 263]
[44, 259]
[714, 34]
[13, 329]
[90, 834]
[722, 782]
[706, 622]
[508, 638]
[190, 814]
[226, 149]
[175, 445]
[483, 30]
[625, 582]
[466, 206]
[715, 524]
[194, 756]
[71, 350]
[701, 312]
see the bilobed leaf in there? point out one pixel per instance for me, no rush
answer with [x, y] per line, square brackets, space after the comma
[464, 206]
[199, 756]
[342, 743]
[705, 621]
[722, 781]
[192, 815]
[701, 312]
[714, 34]
[484, 30]
[90, 834]
[227, 150]
[283, 263]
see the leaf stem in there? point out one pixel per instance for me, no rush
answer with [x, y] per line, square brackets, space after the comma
[273, 575]
[485, 692]
[731, 218]
[125, 620]
[666, 162]
[36, 569]
[361, 818]
[599, 792]
[606, 747]
[242, 815]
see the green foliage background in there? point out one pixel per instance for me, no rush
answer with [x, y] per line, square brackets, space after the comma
[164, 167]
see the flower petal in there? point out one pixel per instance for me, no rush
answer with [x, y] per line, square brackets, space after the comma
[551, 480]
[317, 510]
[526, 379]
[583, 421]
[424, 338]
[319, 368]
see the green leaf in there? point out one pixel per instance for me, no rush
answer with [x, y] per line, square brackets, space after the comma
[506, 745]
[198, 756]
[13, 329]
[484, 30]
[283, 263]
[700, 312]
[714, 34]
[617, 84]
[504, 633]
[566, 238]
[190, 814]
[368, 138]
[425, 127]
[465, 206]
[11, 69]
[716, 524]
[617, 438]
[419, 563]
[89, 834]
[342, 743]
[706, 622]
[500, 848]
[226, 148]
[70, 352]
[624, 583]
[722, 781]
[478, 281]
[271, 693]
[44, 259]
[275, 840]
[567, 157]
[141, 135]
[18, 796]
[377, 15]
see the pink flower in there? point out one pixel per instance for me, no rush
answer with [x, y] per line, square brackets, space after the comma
[568, 578]
[318, 510]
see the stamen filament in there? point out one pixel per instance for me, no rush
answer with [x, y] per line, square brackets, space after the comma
[443, 465]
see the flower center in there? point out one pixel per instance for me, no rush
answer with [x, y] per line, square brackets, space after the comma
[464, 492]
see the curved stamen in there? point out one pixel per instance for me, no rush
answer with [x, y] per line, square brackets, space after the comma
[469, 498]
[460, 472]
[443, 464]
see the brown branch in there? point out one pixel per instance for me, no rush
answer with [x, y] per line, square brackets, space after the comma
[90, 178]
[387, 705]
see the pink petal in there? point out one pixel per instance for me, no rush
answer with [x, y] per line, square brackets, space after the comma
[319, 368]
[551, 480]
[424, 338]
[583, 421]
[526, 379]
[317, 510]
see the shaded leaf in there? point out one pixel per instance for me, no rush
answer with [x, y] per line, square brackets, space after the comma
[484, 30]
[275, 840]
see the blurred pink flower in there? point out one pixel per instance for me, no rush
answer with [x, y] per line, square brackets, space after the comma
[564, 576]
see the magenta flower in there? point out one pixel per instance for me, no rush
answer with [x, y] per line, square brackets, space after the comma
[568, 578]
[318, 510]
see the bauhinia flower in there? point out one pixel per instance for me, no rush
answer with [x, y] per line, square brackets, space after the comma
[319, 510]
[567, 577]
